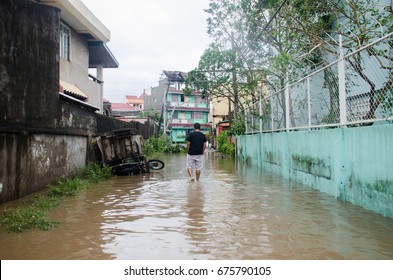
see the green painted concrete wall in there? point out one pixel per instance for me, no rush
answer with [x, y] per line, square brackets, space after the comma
[351, 164]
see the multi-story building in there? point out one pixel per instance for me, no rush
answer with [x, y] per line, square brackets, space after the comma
[82, 44]
[179, 111]
[135, 101]
[220, 110]
[124, 110]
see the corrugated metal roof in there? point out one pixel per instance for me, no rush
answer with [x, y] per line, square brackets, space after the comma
[77, 101]
[175, 76]
[72, 90]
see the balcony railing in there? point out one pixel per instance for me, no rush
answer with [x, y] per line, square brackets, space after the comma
[182, 121]
[186, 104]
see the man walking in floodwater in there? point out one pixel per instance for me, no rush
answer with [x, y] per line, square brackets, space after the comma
[196, 145]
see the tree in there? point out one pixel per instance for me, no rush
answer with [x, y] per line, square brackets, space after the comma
[365, 21]
[305, 35]
[284, 39]
[226, 69]
[358, 22]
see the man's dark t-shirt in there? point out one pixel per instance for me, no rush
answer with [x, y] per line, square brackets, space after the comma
[196, 139]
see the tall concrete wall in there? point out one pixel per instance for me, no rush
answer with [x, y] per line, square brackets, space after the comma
[28, 89]
[29, 60]
[31, 161]
[351, 164]
[43, 136]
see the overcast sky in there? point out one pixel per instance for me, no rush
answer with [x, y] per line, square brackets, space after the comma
[148, 36]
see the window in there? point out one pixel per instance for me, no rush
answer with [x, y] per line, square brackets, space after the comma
[64, 42]
[197, 99]
[198, 115]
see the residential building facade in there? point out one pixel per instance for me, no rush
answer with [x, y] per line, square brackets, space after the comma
[123, 110]
[135, 101]
[220, 110]
[82, 44]
[179, 111]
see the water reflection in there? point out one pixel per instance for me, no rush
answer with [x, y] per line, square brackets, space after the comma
[197, 226]
[235, 212]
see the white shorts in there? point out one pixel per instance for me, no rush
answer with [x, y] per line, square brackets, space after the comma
[194, 162]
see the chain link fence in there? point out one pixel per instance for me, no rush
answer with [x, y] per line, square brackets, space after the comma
[356, 89]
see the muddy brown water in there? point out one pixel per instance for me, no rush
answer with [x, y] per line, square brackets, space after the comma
[235, 212]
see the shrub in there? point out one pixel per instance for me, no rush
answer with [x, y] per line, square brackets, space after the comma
[224, 143]
[96, 173]
[161, 144]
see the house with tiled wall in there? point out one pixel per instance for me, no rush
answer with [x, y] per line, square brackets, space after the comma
[179, 111]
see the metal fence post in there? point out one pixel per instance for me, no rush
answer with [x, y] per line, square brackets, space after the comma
[341, 83]
[287, 103]
[260, 113]
[309, 101]
[271, 112]
[245, 120]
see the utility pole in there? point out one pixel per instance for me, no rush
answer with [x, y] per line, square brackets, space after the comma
[163, 111]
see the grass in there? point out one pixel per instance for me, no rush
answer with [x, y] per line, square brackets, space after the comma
[33, 215]
[68, 187]
[22, 219]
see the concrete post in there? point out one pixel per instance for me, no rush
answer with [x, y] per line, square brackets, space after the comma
[100, 76]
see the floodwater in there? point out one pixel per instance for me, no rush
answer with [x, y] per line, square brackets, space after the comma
[235, 212]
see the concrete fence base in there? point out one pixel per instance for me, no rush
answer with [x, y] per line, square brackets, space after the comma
[351, 164]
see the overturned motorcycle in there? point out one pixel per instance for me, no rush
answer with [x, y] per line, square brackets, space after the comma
[122, 150]
[131, 166]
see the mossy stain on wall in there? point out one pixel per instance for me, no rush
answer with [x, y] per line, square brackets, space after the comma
[312, 165]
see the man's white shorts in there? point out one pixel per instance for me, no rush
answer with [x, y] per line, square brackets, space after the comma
[194, 162]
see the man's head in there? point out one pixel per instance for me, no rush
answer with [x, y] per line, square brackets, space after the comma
[197, 126]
